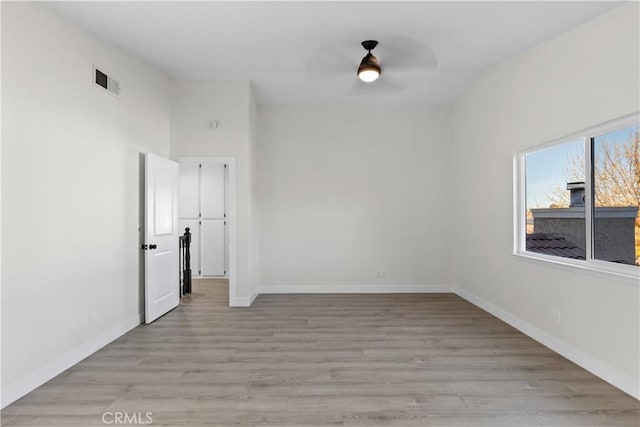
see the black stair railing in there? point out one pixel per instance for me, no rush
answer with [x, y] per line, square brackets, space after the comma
[185, 262]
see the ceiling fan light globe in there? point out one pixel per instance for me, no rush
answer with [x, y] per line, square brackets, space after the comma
[369, 69]
[368, 75]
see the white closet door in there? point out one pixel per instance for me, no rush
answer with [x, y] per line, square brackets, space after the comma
[195, 243]
[189, 191]
[212, 191]
[213, 256]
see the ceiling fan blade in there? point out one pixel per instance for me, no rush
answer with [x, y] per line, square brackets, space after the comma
[329, 60]
[406, 54]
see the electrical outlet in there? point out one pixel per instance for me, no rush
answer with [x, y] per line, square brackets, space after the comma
[556, 316]
[383, 274]
[92, 318]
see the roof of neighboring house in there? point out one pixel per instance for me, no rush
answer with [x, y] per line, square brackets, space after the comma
[553, 244]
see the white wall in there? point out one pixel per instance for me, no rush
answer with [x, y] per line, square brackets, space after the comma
[580, 79]
[254, 212]
[70, 191]
[194, 104]
[344, 193]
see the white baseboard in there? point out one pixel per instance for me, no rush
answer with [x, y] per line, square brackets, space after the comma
[245, 301]
[354, 289]
[20, 387]
[340, 289]
[613, 376]
[253, 297]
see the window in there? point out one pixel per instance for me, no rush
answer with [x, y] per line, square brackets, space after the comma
[578, 199]
[616, 195]
[555, 209]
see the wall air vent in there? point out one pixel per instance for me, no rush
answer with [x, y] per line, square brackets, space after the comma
[104, 81]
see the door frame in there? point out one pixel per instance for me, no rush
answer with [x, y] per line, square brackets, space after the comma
[231, 216]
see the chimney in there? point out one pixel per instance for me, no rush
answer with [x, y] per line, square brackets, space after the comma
[577, 194]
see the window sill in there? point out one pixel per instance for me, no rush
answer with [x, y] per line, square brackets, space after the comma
[619, 273]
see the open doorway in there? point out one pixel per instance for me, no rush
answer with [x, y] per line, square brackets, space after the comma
[206, 205]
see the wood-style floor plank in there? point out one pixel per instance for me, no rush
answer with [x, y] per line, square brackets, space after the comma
[322, 360]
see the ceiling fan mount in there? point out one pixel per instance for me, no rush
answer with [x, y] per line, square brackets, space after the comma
[369, 45]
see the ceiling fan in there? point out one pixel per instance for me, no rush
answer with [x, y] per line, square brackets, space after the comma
[369, 69]
[401, 58]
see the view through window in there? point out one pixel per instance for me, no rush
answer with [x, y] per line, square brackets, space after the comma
[555, 212]
[556, 182]
[616, 196]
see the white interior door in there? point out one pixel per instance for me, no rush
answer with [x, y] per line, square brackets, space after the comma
[213, 243]
[162, 281]
[189, 191]
[213, 206]
[213, 182]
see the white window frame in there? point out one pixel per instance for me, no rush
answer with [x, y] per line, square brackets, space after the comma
[621, 272]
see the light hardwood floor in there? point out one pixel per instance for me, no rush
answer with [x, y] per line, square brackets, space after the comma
[306, 360]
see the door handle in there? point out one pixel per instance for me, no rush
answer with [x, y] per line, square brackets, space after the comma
[153, 246]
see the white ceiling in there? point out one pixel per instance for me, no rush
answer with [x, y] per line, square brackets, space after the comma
[307, 53]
